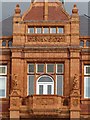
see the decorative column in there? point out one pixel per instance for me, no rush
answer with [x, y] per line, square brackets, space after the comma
[75, 99]
[15, 100]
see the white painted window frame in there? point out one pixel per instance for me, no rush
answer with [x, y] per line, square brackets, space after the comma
[5, 86]
[45, 84]
[85, 69]
[85, 87]
[5, 70]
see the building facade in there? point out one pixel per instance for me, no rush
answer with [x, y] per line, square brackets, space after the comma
[44, 65]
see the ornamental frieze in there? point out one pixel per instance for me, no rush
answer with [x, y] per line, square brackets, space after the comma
[45, 39]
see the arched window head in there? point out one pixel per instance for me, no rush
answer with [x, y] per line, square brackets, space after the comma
[45, 85]
[45, 78]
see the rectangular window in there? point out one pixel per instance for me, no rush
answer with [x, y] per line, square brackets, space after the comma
[31, 30]
[86, 81]
[2, 87]
[87, 70]
[3, 78]
[38, 30]
[59, 86]
[3, 70]
[31, 68]
[53, 30]
[40, 68]
[86, 87]
[60, 30]
[59, 68]
[46, 30]
[30, 84]
[50, 68]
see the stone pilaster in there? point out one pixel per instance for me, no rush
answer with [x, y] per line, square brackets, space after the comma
[75, 99]
[15, 101]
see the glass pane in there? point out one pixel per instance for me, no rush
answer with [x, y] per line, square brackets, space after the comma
[31, 84]
[60, 68]
[49, 88]
[3, 43]
[88, 70]
[50, 68]
[45, 30]
[10, 43]
[45, 79]
[52, 30]
[2, 70]
[59, 84]
[88, 43]
[30, 68]
[38, 30]
[31, 30]
[82, 43]
[2, 93]
[2, 82]
[60, 30]
[40, 89]
[40, 68]
[87, 87]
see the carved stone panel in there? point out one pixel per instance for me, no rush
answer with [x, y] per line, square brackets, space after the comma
[45, 39]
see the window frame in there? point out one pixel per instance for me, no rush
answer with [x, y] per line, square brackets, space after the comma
[85, 87]
[85, 70]
[45, 85]
[29, 30]
[5, 69]
[62, 69]
[5, 86]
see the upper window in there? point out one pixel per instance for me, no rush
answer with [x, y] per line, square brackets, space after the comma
[10, 43]
[31, 30]
[40, 68]
[53, 30]
[60, 30]
[38, 30]
[31, 68]
[59, 68]
[45, 30]
[88, 43]
[3, 43]
[87, 70]
[50, 68]
[82, 43]
[3, 76]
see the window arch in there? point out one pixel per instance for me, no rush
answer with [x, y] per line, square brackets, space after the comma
[45, 85]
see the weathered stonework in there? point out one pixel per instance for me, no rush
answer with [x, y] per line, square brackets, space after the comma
[45, 48]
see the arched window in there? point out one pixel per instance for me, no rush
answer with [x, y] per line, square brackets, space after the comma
[3, 43]
[87, 43]
[45, 85]
[82, 43]
[10, 43]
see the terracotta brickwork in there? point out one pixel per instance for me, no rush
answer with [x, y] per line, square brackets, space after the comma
[45, 48]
